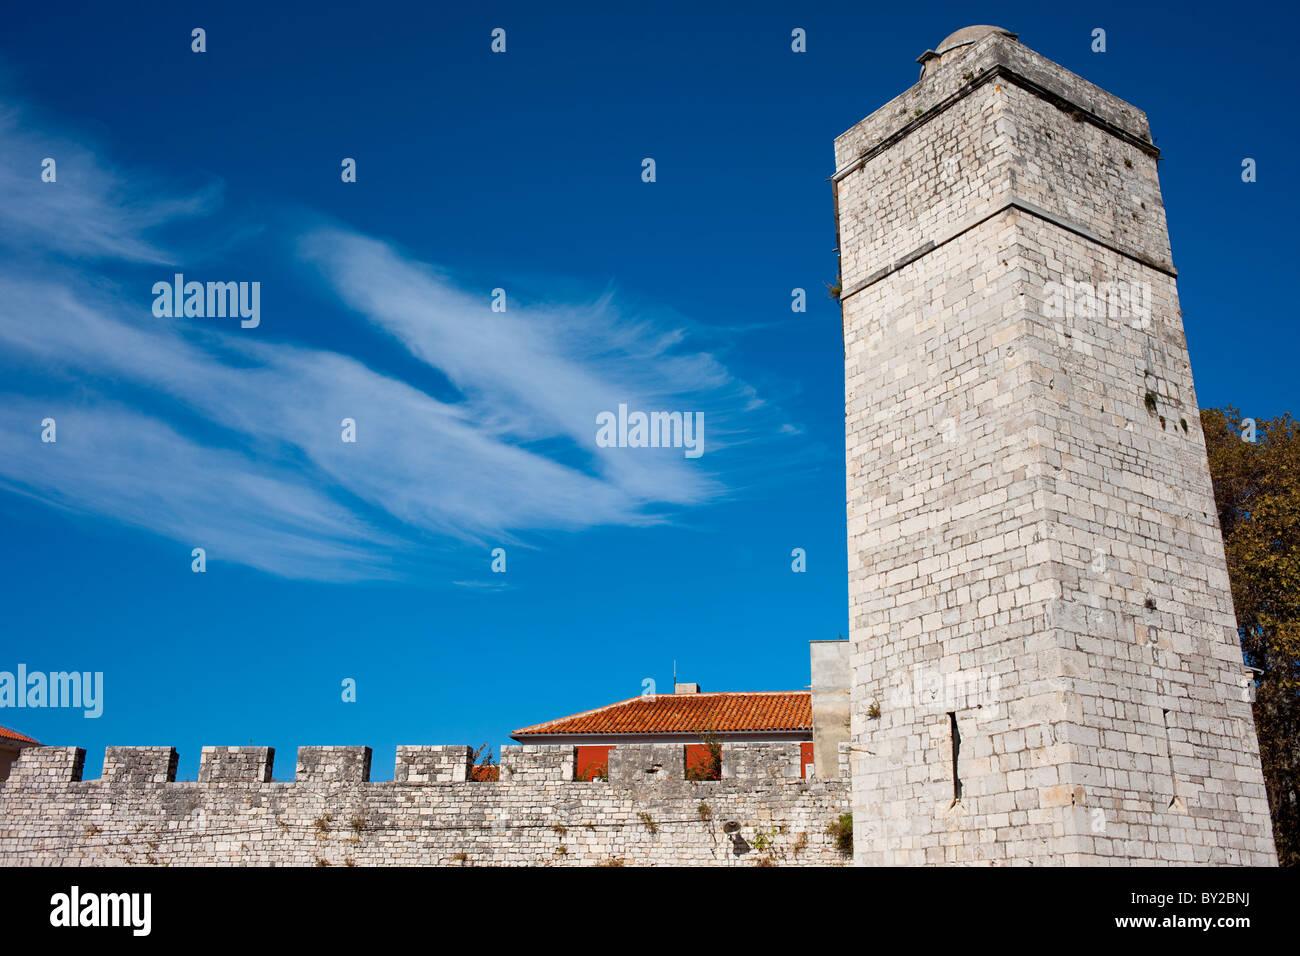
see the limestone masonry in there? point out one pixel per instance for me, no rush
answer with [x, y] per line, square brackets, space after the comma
[1045, 661]
[760, 813]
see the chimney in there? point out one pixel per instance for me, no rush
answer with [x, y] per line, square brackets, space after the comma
[686, 688]
[832, 677]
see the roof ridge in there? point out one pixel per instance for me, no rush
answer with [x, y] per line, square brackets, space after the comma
[708, 693]
[799, 699]
[581, 713]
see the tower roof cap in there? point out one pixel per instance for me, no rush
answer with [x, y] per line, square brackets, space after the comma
[969, 35]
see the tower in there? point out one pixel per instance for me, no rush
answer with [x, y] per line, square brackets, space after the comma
[1045, 662]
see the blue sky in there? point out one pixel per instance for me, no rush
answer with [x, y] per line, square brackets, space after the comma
[477, 171]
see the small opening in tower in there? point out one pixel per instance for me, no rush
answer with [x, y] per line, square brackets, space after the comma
[1175, 802]
[956, 754]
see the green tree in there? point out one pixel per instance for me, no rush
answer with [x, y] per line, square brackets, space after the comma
[1257, 492]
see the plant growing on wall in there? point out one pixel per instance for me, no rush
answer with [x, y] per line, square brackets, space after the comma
[483, 764]
[762, 839]
[708, 766]
[484, 756]
[841, 831]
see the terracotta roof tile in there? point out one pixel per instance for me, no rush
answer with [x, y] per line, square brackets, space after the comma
[8, 734]
[723, 712]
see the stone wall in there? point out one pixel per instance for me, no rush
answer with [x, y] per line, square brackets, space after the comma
[761, 813]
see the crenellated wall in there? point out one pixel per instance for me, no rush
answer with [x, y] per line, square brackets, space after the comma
[431, 813]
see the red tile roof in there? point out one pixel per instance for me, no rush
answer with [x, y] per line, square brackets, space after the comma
[722, 712]
[8, 734]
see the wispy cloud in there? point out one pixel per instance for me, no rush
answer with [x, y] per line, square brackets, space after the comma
[90, 211]
[539, 371]
[216, 437]
[113, 461]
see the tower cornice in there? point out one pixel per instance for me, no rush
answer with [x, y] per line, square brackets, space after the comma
[1007, 75]
[967, 67]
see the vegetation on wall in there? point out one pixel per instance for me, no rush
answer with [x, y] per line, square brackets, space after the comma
[707, 765]
[841, 830]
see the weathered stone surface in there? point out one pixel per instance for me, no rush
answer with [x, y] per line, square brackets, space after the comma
[333, 764]
[647, 765]
[236, 764]
[433, 764]
[136, 765]
[47, 766]
[759, 761]
[537, 763]
[832, 681]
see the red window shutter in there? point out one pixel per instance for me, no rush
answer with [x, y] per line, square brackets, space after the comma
[699, 759]
[592, 762]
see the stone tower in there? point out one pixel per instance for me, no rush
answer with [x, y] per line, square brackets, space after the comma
[1045, 661]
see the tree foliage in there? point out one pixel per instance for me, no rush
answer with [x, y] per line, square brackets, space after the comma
[1257, 492]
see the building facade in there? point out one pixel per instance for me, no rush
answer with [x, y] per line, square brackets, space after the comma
[815, 719]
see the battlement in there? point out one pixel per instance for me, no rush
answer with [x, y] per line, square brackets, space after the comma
[235, 764]
[631, 765]
[332, 765]
[432, 811]
[49, 766]
[436, 764]
[137, 765]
